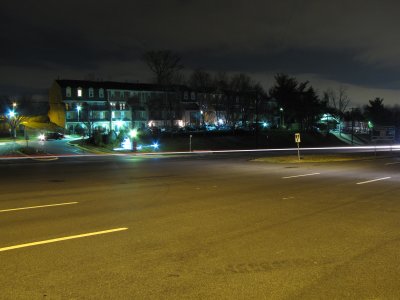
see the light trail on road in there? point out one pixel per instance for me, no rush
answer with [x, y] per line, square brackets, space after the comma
[136, 154]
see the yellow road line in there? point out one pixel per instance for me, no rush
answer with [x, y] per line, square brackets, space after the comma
[61, 239]
[39, 206]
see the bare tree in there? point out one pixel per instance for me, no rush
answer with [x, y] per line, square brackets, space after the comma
[202, 82]
[165, 65]
[338, 101]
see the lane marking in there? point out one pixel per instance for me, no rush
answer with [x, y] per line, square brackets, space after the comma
[39, 206]
[303, 175]
[61, 239]
[373, 180]
[392, 163]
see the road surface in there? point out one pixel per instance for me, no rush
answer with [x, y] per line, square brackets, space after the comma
[199, 227]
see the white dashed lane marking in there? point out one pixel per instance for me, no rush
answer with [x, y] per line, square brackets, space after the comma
[302, 175]
[373, 180]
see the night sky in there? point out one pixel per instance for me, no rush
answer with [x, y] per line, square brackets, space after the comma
[355, 44]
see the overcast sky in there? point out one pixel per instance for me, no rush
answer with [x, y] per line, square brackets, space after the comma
[354, 43]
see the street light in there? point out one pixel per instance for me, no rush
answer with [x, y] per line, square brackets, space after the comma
[11, 114]
[78, 109]
[12, 123]
[133, 134]
[282, 120]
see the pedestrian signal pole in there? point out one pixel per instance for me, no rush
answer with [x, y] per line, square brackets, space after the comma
[297, 140]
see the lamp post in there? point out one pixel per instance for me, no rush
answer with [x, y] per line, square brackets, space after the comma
[133, 135]
[11, 116]
[282, 120]
[78, 109]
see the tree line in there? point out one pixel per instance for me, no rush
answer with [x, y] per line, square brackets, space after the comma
[243, 99]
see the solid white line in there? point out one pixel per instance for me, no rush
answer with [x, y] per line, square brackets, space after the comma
[378, 179]
[61, 239]
[311, 174]
[39, 206]
[393, 163]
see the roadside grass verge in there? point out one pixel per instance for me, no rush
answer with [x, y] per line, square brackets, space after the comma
[324, 158]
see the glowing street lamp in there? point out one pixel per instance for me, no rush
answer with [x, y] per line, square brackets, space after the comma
[282, 120]
[11, 114]
[78, 109]
[133, 134]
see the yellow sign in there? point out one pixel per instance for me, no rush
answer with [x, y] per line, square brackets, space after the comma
[297, 137]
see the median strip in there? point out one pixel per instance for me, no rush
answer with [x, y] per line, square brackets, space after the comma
[61, 239]
[39, 206]
[303, 175]
[373, 180]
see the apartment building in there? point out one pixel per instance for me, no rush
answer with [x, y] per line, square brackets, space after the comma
[105, 105]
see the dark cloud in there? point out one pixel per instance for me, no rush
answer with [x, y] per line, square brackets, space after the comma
[350, 42]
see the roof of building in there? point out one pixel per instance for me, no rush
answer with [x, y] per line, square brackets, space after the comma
[118, 85]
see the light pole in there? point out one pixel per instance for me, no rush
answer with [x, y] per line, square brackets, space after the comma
[11, 116]
[133, 135]
[282, 120]
[78, 109]
[190, 143]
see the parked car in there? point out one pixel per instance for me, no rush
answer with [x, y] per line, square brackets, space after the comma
[51, 136]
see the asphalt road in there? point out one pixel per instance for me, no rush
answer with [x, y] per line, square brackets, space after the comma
[199, 227]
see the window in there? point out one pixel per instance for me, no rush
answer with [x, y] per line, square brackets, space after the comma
[79, 92]
[101, 93]
[185, 95]
[192, 96]
[121, 95]
[68, 91]
[91, 93]
[122, 106]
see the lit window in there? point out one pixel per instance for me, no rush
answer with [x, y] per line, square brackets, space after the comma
[91, 93]
[122, 106]
[79, 92]
[101, 93]
[68, 91]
